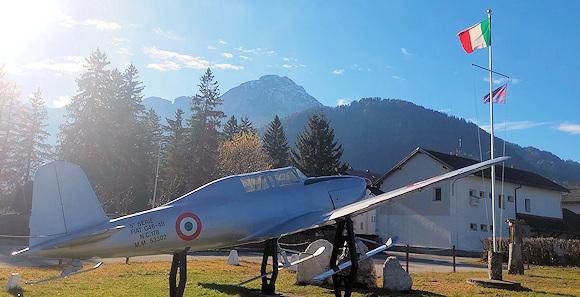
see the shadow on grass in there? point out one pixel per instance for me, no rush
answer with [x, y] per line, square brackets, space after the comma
[383, 292]
[245, 292]
[16, 292]
[551, 277]
[552, 293]
[232, 289]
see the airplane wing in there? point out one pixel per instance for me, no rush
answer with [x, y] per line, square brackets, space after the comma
[374, 202]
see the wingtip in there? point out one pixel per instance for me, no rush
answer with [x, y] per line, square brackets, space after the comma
[503, 158]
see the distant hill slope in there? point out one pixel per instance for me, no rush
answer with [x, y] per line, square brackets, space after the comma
[377, 133]
[165, 108]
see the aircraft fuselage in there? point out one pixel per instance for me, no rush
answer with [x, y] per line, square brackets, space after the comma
[227, 212]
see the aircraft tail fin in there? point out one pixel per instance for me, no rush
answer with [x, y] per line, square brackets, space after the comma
[63, 201]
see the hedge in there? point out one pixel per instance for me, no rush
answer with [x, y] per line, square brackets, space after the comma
[542, 251]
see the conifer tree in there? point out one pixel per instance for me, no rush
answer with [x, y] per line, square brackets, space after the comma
[174, 172]
[204, 125]
[85, 133]
[317, 152]
[106, 132]
[135, 175]
[36, 148]
[152, 150]
[275, 144]
[231, 128]
[12, 118]
[247, 127]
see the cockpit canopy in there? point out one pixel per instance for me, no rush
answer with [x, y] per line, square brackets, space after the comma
[249, 182]
[264, 180]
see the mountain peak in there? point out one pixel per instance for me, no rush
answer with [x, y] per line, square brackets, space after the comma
[275, 77]
[271, 94]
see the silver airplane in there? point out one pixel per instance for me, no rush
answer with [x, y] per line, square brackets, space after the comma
[68, 222]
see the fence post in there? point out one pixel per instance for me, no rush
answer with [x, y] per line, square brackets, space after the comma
[528, 264]
[407, 253]
[453, 251]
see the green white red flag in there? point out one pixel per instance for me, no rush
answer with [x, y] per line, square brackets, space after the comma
[476, 36]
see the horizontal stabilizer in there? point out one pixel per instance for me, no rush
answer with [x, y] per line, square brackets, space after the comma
[64, 274]
[317, 253]
[86, 239]
[321, 277]
[72, 240]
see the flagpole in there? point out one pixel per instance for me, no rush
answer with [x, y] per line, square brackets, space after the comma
[495, 227]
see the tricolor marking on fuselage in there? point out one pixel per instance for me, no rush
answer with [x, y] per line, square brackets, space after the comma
[188, 226]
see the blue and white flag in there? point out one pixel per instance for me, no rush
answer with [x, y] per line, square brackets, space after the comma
[499, 95]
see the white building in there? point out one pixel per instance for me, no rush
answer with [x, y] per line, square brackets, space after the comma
[571, 201]
[458, 212]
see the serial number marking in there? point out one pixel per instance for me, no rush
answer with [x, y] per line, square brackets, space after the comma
[157, 238]
[148, 231]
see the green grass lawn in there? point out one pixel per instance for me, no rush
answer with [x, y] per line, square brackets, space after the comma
[214, 278]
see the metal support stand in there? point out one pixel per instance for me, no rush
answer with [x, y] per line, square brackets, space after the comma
[344, 237]
[179, 262]
[270, 251]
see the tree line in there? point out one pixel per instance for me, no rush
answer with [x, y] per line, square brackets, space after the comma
[121, 146]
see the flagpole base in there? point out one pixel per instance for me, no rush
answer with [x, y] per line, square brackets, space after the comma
[494, 265]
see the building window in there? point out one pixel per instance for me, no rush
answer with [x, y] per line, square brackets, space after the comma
[527, 204]
[473, 227]
[472, 193]
[483, 227]
[491, 228]
[361, 225]
[437, 194]
[372, 219]
[481, 194]
[510, 198]
[501, 201]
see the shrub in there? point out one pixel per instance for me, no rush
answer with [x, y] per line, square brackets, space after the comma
[543, 251]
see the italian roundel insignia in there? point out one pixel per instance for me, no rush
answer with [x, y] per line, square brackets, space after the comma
[188, 226]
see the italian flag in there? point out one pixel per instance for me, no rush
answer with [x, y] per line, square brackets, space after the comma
[476, 36]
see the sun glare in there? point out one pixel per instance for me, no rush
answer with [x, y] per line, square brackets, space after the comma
[20, 24]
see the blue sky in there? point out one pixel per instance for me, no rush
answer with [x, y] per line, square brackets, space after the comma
[339, 52]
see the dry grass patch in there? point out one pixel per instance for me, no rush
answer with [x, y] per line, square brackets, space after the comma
[215, 278]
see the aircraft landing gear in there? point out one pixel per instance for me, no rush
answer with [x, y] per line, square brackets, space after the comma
[344, 237]
[179, 262]
[269, 283]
